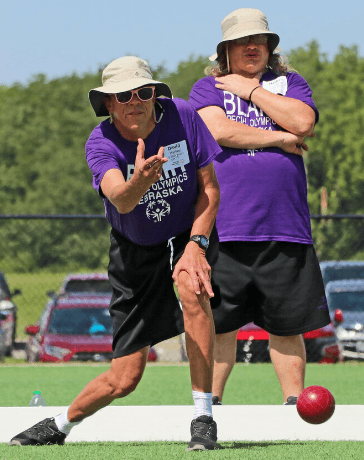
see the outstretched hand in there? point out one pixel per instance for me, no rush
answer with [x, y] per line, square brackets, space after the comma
[149, 170]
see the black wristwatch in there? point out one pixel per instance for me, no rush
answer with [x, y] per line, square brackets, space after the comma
[201, 240]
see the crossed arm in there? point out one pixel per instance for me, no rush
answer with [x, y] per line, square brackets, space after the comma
[296, 117]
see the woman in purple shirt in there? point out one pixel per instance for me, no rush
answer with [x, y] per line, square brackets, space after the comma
[267, 272]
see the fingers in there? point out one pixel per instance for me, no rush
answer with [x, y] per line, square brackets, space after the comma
[298, 150]
[305, 146]
[156, 161]
[195, 283]
[140, 149]
[160, 153]
[199, 278]
[206, 281]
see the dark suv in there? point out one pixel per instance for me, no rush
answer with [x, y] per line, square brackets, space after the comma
[8, 317]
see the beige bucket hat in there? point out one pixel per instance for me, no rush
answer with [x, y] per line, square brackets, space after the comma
[124, 74]
[242, 23]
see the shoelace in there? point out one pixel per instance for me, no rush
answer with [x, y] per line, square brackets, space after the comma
[202, 429]
[42, 430]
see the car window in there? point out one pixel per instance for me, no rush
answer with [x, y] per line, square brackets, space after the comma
[44, 317]
[347, 301]
[80, 321]
[90, 286]
[343, 273]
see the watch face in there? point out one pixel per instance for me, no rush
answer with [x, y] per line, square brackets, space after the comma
[201, 240]
[204, 241]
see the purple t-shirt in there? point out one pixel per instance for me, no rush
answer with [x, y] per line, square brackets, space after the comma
[263, 191]
[168, 207]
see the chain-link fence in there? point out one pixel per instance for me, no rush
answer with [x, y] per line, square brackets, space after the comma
[37, 252]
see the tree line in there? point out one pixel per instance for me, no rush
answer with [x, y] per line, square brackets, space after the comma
[45, 124]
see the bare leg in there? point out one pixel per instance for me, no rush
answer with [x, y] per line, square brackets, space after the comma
[225, 357]
[288, 356]
[120, 380]
[200, 334]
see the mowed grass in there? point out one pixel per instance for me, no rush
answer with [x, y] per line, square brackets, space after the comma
[170, 385]
[272, 450]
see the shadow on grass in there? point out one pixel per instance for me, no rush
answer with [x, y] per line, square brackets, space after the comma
[226, 445]
[249, 445]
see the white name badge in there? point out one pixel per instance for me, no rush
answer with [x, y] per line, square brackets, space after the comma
[277, 86]
[177, 155]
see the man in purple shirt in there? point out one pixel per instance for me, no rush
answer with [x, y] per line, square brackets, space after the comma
[152, 164]
[267, 272]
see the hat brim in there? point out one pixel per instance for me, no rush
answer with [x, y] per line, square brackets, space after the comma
[96, 95]
[273, 38]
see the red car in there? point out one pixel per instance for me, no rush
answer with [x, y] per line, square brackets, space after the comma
[85, 283]
[321, 345]
[73, 328]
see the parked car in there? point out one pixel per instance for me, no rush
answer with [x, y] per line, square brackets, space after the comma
[346, 305]
[336, 270]
[90, 283]
[73, 327]
[321, 345]
[8, 316]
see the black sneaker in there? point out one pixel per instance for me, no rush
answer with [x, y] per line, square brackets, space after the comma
[203, 434]
[40, 434]
[291, 401]
[215, 401]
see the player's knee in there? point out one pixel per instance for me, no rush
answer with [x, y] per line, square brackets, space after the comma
[124, 386]
[190, 303]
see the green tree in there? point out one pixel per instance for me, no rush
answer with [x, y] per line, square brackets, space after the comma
[335, 161]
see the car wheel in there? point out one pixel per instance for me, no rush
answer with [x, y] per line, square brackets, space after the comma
[10, 349]
[32, 357]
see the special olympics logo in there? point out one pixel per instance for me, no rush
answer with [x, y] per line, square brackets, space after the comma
[158, 209]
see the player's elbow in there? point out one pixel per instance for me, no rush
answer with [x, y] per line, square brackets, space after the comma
[122, 206]
[304, 126]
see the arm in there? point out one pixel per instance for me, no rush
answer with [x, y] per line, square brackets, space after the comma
[291, 114]
[230, 133]
[193, 260]
[125, 195]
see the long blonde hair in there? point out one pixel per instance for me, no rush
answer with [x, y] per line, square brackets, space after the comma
[276, 62]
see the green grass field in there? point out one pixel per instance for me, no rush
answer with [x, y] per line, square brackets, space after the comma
[273, 450]
[248, 384]
[170, 385]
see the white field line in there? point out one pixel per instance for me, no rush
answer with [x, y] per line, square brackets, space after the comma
[172, 423]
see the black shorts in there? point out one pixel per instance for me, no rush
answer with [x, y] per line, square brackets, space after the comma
[277, 285]
[144, 308]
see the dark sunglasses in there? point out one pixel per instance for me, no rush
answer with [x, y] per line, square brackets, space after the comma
[144, 94]
[259, 39]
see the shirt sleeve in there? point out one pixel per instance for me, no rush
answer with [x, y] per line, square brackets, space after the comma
[100, 156]
[201, 140]
[298, 88]
[204, 94]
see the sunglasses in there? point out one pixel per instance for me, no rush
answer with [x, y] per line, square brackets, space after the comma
[144, 94]
[259, 39]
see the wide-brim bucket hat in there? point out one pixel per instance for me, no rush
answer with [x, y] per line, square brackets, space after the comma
[242, 23]
[124, 74]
